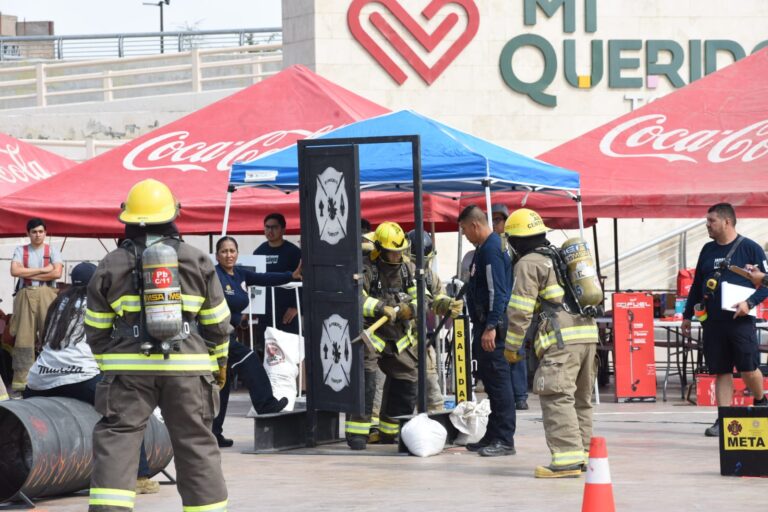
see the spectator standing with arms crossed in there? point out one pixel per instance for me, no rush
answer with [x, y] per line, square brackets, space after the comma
[729, 338]
[37, 266]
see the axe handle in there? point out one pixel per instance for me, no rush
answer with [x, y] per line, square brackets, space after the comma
[378, 323]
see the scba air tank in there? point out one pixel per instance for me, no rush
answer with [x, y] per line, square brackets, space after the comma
[162, 291]
[582, 272]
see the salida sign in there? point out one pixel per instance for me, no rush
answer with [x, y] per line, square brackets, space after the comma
[616, 58]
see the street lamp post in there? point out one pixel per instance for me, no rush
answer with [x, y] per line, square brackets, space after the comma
[160, 4]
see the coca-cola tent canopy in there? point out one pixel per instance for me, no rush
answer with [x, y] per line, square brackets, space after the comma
[193, 156]
[704, 144]
[22, 165]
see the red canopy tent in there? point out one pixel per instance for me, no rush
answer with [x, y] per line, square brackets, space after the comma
[193, 156]
[703, 144]
[22, 165]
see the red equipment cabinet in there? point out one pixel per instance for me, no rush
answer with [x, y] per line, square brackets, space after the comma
[634, 348]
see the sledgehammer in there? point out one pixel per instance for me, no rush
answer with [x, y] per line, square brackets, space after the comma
[365, 336]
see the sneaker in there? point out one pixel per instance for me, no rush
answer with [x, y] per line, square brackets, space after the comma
[572, 471]
[476, 447]
[223, 442]
[146, 486]
[521, 405]
[496, 449]
[357, 442]
[762, 402]
[714, 430]
[274, 407]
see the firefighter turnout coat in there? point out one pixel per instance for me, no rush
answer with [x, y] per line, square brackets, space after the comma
[565, 344]
[181, 384]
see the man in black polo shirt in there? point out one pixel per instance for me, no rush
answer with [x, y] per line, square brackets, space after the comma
[729, 338]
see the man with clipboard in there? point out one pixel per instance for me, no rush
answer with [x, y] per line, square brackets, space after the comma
[729, 337]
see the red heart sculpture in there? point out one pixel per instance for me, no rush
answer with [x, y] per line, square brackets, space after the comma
[428, 41]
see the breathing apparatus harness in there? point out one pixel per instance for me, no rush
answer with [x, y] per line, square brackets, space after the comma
[142, 332]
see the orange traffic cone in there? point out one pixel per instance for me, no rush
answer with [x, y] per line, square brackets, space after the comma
[598, 491]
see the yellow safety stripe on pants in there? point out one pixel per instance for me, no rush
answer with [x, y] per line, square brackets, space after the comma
[126, 304]
[153, 362]
[513, 341]
[99, 320]
[357, 427]
[554, 291]
[191, 303]
[18, 385]
[112, 497]
[4, 397]
[389, 428]
[369, 307]
[214, 363]
[412, 291]
[213, 507]
[377, 343]
[221, 350]
[586, 455]
[567, 458]
[215, 315]
[522, 303]
[569, 334]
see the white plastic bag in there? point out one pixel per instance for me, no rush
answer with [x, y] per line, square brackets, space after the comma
[423, 436]
[471, 420]
[283, 353]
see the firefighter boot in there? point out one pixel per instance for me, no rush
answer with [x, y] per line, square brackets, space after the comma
[357, 441]
[572, 471]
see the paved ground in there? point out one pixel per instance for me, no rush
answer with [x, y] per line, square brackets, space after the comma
[658, 458]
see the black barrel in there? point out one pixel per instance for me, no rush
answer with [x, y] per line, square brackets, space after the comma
[47, 449]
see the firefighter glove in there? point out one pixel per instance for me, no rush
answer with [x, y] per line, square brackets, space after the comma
[513, 356]
[456, 307]
[390, 313]
[406, 311]
[221, 376]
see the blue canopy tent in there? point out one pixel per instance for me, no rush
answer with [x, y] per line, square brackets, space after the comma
[452, 162]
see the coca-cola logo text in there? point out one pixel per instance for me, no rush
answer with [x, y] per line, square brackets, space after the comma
[652, 139]
[172, 150]
[17, 169]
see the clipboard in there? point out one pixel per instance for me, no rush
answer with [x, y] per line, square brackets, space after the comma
[731, 294]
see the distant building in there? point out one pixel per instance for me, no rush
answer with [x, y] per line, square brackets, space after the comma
[10, 26]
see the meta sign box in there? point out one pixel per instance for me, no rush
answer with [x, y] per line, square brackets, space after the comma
[743, 441]
[634, 346]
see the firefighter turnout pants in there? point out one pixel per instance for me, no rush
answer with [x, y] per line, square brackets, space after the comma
[564, 382]
[30, 307]
[399, 397]
[189, 404]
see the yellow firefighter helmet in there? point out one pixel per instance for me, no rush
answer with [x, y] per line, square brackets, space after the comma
[391, 237]
[149, 202]
[523, 223]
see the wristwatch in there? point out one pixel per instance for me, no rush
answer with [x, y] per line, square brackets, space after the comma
[750, 303]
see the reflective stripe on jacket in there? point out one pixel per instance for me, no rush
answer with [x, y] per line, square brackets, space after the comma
[112, 296]
[536, 280]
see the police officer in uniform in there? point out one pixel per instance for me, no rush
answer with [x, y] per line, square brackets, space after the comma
[564, 342]
[389, 289]
[178, 374]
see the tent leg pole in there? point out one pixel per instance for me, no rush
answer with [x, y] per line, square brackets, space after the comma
[421, 313]
[581, 215]
[616, 254]
[458, 252]
[488, 204]
[226, 211]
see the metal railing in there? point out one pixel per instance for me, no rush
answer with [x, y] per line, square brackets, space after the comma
[109, 46]
[653, 265]
[196, 70]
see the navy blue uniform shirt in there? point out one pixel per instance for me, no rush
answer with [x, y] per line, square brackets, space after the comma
[280, 259]
[236, 287]
[748, 252]
[490, 280]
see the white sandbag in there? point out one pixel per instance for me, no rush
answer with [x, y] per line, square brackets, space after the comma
[423, 436]
[471, 420]
[282, 356]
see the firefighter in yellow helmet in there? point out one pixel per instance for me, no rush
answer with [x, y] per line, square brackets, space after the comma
[389, 289]
[158, 326]
[564, 342]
